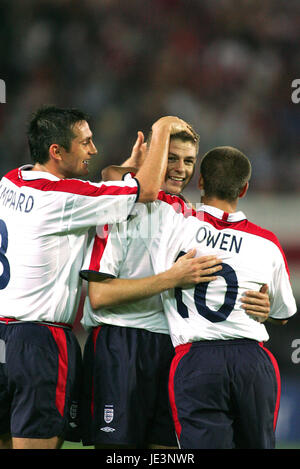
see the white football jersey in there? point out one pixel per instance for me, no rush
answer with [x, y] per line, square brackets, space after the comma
[116, 251]
[44, 223]
[251, 256]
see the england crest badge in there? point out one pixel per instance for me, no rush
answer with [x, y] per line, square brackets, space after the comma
[108, 413]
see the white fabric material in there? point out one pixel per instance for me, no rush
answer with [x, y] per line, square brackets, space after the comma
[43, 231]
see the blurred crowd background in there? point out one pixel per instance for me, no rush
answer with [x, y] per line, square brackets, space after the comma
[225, 66]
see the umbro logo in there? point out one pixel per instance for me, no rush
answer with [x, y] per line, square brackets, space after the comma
[107, 429]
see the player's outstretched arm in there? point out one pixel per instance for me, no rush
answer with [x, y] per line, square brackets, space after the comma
[186, 271]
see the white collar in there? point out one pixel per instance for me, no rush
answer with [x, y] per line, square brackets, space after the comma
[27, 175]
[218, 213]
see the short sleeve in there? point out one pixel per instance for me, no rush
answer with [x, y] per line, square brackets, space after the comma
[106, 203]
[282, 301]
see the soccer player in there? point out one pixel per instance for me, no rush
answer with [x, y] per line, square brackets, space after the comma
[45, 217]
[224, 385]
[128, 352]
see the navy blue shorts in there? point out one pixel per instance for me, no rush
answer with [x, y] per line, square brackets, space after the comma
[224, 394]
[125, 379]
[40, 379]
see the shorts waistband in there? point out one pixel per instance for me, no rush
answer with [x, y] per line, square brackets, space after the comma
[42, 323]
[202, 343]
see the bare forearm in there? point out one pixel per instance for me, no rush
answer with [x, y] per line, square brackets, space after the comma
[152, 172]
[185, 272]
[118, 291]
[115, 173]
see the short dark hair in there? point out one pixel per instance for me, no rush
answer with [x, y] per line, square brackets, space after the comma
[183, 135]
[49, 125]
[225, 171]
[186, 137]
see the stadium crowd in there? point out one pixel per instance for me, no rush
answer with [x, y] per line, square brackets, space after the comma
[225, 66]
[227, 70]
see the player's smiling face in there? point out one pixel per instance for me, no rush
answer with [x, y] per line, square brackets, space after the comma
[75, 162]
[181, 165]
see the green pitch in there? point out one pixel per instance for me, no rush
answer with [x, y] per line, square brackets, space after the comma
[69, 445]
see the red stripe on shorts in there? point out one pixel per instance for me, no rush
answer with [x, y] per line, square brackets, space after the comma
[61, 341]
[180, 350]
[277, 374]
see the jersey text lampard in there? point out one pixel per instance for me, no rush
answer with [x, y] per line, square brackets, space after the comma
[15, 201]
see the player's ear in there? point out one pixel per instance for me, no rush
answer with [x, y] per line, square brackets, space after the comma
[54, 152]
[201, 186]
[244, 190]
[201, 183]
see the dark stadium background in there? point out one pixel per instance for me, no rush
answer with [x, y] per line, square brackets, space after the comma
[226, 66]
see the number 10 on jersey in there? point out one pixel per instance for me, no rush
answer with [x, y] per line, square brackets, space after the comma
[223, 312]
